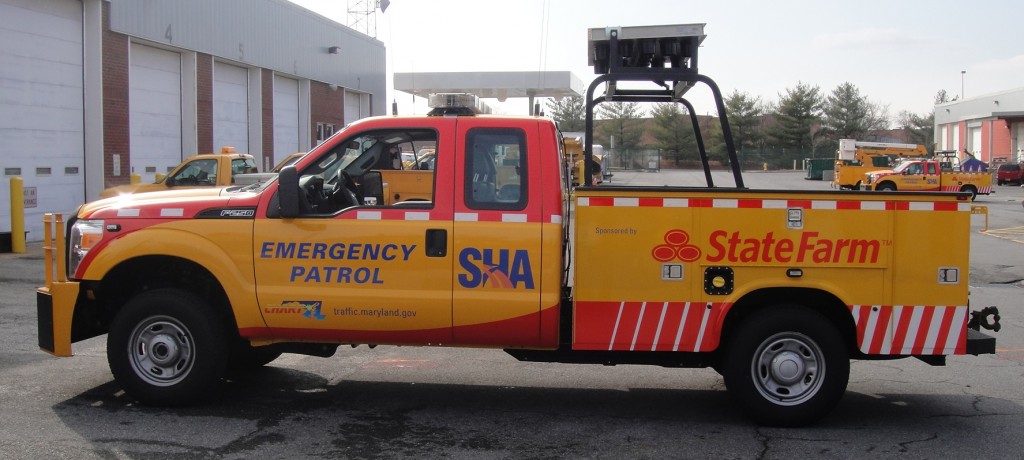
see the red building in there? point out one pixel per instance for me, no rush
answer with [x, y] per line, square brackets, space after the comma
[991, 127]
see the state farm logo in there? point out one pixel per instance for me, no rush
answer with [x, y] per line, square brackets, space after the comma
[676, 247]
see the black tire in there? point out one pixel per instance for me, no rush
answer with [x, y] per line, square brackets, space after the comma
[970, 189]
[886, 187]
[786, 365]
[166, 347]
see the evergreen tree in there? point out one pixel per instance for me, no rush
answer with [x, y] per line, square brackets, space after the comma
[622, 120]
[569, 112]
[797, 121]
[746, 115]
[920, 129]
[849, 115]
[673, 132]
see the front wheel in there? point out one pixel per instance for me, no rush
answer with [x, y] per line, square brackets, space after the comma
[786, 365]
[886, 187]
[166, 347]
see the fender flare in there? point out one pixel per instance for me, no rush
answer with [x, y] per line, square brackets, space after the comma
[237, 283]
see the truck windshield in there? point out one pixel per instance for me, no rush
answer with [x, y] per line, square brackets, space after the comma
[902, 166]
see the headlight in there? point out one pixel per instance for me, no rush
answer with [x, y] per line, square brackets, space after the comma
[85, 234]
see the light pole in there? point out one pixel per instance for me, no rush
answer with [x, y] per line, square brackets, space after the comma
[962, 72]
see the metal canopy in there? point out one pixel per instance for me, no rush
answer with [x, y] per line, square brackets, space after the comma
[498, 85]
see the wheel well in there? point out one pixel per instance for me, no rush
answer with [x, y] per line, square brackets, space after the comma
[887, 183]
[141, 274]
[833, 309]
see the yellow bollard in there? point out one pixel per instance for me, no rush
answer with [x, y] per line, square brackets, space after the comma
[159, 177]
[135, 178]
[17, 215]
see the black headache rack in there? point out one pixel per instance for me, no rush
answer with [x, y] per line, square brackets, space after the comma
[663, 55]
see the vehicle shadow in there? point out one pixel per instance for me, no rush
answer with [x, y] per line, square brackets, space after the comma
[283, 412]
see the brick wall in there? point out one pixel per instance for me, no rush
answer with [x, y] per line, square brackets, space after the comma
[116, 136]
[326, 105]
[1001, 140]
[204, 103]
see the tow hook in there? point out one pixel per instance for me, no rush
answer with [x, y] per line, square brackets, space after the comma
[980, 319]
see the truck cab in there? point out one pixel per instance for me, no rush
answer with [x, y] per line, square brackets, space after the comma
[486, 220]
[204, 170]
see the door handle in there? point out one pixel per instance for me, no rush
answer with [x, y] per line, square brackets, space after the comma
[437, 242]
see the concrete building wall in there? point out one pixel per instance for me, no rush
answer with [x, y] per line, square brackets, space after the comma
[86, 143]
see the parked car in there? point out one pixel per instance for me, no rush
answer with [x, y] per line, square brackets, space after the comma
[1010, 172]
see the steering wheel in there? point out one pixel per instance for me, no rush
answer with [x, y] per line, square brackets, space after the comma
[344, 193]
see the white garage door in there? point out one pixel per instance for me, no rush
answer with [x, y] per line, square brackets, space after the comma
[154, 110]
[286, 118]
[357, 105]
[975, 146]
[41, 115]
[230, 107]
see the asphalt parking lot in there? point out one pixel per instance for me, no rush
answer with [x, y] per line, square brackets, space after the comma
[408, 402]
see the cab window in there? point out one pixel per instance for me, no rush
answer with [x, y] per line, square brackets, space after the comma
[367, 170]
[243, 166]
[495, 173]
[196, 172]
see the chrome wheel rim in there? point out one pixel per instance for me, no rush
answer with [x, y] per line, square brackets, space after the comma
[161, 351]
[788, 368]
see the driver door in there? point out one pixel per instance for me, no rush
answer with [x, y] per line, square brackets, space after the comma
[365, 274]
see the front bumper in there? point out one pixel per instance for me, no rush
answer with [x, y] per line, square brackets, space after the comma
[55, 307]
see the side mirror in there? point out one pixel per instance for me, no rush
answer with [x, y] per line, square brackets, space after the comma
[288, 192]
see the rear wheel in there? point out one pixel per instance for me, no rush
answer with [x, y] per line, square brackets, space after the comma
[970, 189]
[166, 347]
[786, 365]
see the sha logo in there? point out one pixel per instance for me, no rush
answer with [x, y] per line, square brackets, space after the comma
[497, 268]
[676, 247]
[307, 308]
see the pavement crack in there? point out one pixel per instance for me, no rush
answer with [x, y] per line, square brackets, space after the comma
[905, 445]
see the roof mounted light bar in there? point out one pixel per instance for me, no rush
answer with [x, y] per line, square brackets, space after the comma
[455, 104]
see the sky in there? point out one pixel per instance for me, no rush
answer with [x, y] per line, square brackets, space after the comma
[899, 54]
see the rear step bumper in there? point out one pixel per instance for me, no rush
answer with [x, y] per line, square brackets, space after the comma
[979, 343]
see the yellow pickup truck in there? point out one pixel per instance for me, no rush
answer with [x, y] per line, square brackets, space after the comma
[204, 170]
[928, 176]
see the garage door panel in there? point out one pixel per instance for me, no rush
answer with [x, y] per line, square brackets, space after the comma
[286, 117]
[55, 94]
[41, 90]
[51, 119]
[154, 109]
[230, 107]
